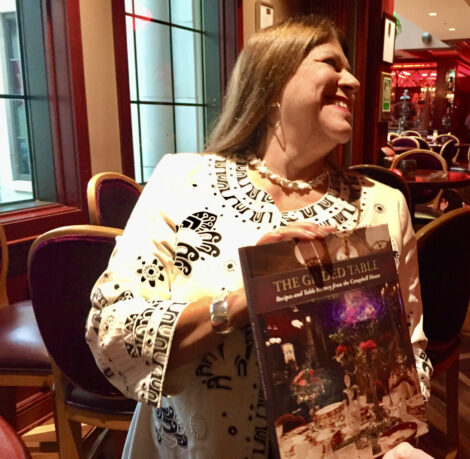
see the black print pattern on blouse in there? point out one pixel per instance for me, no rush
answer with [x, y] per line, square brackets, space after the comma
[98, 302]
[202, 224]
[156, 345]
[151, 272]
[236, 188]
[207, 368]
[337, 207]
[125, 296]
[168, 430]
[241, 362]
[135, 327]
[260, 444]
[210, 379]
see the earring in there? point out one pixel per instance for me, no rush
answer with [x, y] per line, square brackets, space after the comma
[273, 107]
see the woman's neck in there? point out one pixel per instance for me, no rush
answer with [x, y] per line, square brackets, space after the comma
[291, 161]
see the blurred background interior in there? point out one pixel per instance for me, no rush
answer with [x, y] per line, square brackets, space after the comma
[110, 86]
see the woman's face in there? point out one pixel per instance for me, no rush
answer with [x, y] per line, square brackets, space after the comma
[316, 102]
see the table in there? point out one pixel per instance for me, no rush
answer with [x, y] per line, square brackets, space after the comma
[425, 178]
[437, 146]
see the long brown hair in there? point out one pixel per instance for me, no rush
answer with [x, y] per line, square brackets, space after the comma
[265, 65]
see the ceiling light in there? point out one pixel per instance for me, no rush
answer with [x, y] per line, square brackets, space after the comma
[451, 29]
[432, 13]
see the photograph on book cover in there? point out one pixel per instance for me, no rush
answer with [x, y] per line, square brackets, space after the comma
[339, 368]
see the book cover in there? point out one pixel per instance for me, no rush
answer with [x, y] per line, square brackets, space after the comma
[335, 355]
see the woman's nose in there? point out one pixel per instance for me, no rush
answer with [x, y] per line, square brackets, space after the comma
[349, 82]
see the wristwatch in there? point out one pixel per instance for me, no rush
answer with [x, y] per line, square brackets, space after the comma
[218, 314]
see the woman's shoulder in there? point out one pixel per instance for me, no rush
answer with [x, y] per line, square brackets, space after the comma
[369, 182]
[184, 159]
[188, 161]
[175, 166]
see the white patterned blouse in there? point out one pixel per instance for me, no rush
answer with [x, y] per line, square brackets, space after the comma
[180, 244]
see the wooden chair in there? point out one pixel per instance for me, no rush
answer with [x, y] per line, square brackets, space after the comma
[405, 142]
[425, 159]
[388, 177]
[427, 201]
[111, 198]
[449, 151]
[24, 361]
[391, 136]
[444, 271]
[443, 138]
[423, 144]
[410, 133]
[63, 265]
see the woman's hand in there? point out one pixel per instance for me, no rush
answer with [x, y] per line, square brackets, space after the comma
[406, 451]
[297, 230]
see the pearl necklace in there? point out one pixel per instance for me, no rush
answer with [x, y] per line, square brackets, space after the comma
[297, 185]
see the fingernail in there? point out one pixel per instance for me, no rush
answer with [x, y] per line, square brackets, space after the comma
[309, 233]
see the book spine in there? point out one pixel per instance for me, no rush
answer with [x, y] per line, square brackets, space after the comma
[262, 364]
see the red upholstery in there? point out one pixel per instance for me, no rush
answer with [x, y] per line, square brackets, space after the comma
[63, 268]
[11, 445]
[444, 271]
[448, 152]
[62, 272]
[424, 160]
[422, 143]
[410, 142]
[22, 350]
[116, 199]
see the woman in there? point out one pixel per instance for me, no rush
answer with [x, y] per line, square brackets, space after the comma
[169, 324]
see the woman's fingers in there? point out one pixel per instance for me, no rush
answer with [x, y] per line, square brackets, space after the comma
[301, 230]
[406, 451]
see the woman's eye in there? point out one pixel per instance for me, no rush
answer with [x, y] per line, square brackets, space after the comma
[330, 62]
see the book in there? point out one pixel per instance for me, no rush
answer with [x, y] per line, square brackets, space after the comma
[333, 345]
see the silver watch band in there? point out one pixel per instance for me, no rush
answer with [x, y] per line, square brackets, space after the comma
[219, 315]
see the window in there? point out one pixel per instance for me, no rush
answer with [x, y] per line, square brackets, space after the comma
[26, 162]
[45, 155]
[174, 77]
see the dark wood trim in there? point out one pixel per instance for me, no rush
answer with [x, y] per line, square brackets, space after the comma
[70, 100]
[33, 410]
[360, 71]
[66, 83]
[240, 35]
[228, 15]
[123, 94]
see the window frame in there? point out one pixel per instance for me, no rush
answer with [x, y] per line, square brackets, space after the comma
[69, 126]
[231, 42]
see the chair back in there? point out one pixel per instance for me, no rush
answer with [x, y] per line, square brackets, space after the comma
[111, 198]
[423, 144]
[444, 271]
[449, 151]
[63, 266]
[411, 133]
[410, 142]
[388, 177]
[443, 138]
[425, 159]
[391, 136]
[3, 268]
